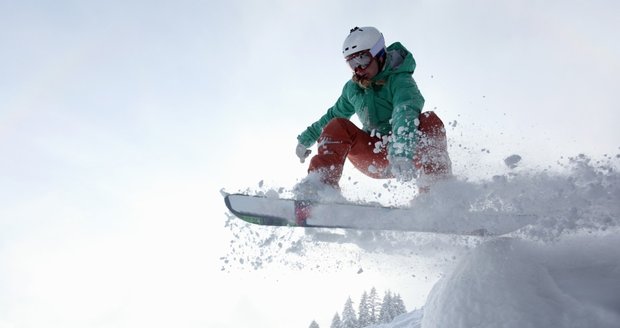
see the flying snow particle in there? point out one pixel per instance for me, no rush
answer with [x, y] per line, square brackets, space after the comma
[512, 161]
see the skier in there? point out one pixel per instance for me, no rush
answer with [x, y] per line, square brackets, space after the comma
[396, 140]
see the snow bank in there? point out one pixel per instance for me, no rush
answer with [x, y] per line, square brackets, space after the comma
[509, 282]
[412, 319]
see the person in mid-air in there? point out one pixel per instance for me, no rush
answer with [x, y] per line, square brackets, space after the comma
[396, 139]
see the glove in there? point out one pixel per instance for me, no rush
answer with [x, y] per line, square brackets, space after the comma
[302, 152]
[402, 168]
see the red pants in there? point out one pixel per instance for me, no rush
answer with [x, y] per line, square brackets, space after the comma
[341, 139]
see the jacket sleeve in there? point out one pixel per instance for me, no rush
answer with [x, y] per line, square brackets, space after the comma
[408, 103]
[342, 108]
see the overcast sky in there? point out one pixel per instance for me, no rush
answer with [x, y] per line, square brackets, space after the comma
[121, 121]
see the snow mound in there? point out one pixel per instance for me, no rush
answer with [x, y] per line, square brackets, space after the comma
[509, 282]
[412, 319]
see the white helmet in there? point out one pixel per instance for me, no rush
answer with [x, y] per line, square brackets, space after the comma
[363, 38]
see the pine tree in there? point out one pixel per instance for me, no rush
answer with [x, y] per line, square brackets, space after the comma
[374, 306]
[336, 322]
[385, 316]
[371, 311]
[314, 324]
[398, 306]
[349, 318]
[364, 311]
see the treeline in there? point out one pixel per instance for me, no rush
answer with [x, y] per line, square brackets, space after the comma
[370, 311]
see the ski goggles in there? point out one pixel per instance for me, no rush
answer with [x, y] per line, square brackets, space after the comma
[359, 60]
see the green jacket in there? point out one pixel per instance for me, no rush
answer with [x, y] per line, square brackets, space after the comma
[390, 106]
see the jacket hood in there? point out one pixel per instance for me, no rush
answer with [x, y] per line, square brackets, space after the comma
[398, 60]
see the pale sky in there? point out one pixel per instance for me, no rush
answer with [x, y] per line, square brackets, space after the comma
[120, 122]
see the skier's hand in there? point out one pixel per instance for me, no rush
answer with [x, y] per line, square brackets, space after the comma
[402, 169]
[302, 152]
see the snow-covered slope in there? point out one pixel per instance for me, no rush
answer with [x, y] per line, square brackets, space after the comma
[514, 283]
[412, 319]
